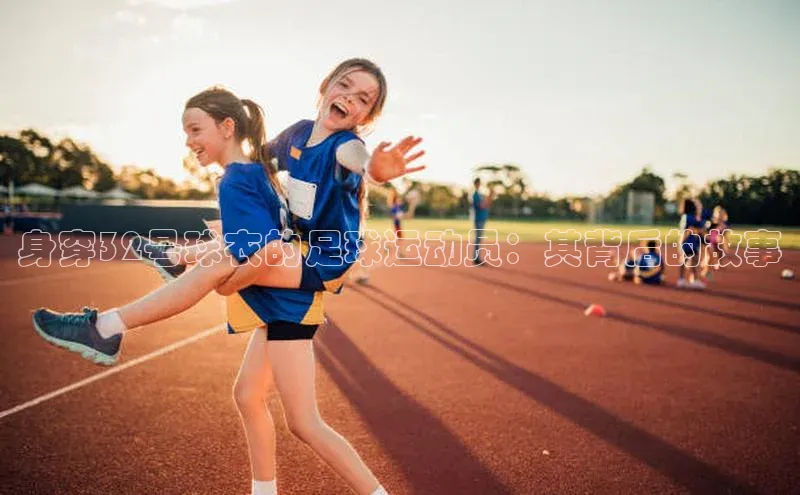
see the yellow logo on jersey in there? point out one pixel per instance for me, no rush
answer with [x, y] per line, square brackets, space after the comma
[295, 153]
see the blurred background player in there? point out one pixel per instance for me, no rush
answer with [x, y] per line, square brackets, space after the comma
[646, 268]
[692, 229]
[480, 214]
[412, 197]
[394, 200]
[649, 266]
[716, 247]
[395, 203]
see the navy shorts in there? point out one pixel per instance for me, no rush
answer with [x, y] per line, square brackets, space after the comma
[691, 246]
[289, 330]
[310, 279]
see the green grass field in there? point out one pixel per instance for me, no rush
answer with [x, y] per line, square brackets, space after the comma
[535, 231]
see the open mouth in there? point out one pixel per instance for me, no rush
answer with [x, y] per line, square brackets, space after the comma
[338, 110]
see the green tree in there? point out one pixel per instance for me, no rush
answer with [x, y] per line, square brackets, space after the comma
[646, 181]
[441, 199]
[18, 163]
[510, 184]
[770, 199]
[80, 166]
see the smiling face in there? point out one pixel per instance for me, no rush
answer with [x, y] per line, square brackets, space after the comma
[204, 137]
[348, 101]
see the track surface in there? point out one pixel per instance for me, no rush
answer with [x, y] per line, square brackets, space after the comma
[446, 380]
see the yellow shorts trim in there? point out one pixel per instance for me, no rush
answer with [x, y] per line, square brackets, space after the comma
[316, 313]
[241, 318]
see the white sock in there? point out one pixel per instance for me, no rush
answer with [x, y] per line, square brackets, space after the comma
[264, 487]
[380, 491]
[109, 324]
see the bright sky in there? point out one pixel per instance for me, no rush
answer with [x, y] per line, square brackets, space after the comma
[581, 94]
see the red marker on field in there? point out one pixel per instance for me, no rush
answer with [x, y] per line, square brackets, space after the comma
[595, 310]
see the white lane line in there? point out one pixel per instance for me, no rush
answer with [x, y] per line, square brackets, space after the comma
[111, 371]
[57, 276]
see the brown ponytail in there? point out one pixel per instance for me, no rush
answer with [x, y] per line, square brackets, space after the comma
[248, 119]
[256, 135]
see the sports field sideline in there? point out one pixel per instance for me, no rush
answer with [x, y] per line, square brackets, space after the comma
[535, 231]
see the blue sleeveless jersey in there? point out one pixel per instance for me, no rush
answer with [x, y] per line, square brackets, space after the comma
[251, 211]
[253, 215]
[323, 199]
[691, 245]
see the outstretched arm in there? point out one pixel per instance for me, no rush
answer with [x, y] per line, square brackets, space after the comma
[384, 163]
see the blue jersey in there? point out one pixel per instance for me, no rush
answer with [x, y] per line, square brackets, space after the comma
[253, 215]
[694, 226]
[323, 199]
[397, 211]
[481, 213]
[251, 211]
[650, 268]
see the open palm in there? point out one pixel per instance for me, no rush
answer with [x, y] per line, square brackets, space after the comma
[389, 163]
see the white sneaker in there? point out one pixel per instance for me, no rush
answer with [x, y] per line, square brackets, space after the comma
[697, 285]
[681, 283]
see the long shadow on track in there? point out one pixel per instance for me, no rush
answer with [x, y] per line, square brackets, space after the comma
[412, 436]
[681, 467]
[727, 344]
[662, 300]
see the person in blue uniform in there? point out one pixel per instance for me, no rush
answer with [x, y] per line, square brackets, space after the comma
[692, 229]
[642, 266]
[327, 164]
[716, 247]
[253, 216]
[481, 204]
[396, 210]
[649, 267]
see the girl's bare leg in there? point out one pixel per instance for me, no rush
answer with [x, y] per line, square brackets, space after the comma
[293, 370]
[180, 294]
[191, 254]
[704, 263]
[187, 290]
[250, 393]
[284, 274]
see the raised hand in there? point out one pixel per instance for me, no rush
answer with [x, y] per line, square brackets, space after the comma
[387, 164]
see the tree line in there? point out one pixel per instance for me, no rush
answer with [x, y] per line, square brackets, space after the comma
[769, 199]
[34, 157]
[772, 198]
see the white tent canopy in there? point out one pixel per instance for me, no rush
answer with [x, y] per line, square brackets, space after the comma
[3, 189]
[118, 193]
[78, 192]
[34, 189]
